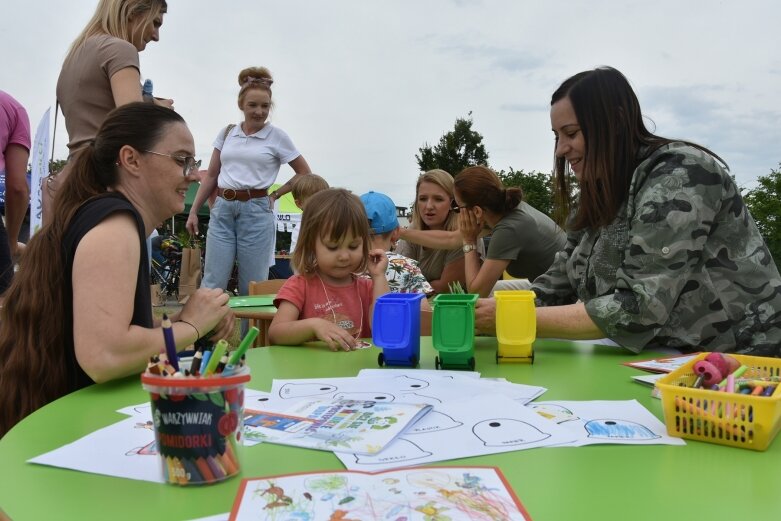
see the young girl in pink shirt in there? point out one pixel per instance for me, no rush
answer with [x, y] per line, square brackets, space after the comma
[325, 300]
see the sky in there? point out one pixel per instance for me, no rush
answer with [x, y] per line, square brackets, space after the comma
[361, 85]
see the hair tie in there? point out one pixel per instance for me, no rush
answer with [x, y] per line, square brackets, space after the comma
[266, 82]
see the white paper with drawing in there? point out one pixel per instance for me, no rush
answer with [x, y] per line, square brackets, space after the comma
[363, 427]
[485, 424]
[597, 422]
[416, 373]
[399, 388]
[126, 449]
[423, 494]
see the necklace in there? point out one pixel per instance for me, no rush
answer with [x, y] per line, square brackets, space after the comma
[357, 336]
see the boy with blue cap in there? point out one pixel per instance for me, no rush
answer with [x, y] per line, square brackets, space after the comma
[403, 273]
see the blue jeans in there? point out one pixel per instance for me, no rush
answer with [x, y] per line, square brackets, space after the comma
[243, 231]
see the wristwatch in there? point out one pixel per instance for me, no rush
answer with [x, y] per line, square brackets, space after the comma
[466, 248]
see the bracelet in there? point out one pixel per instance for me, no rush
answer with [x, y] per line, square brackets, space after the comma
[192, 326]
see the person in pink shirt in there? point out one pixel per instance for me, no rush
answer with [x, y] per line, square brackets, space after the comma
[14, 153]
[326, 300]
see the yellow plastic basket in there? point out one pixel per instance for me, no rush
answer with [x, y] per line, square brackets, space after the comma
[734, 419]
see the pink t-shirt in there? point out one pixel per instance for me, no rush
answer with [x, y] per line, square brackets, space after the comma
[347, 306]
[14, 125]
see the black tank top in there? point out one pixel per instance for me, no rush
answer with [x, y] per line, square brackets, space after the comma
[92, 213]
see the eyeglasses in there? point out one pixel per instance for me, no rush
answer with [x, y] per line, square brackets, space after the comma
[454, 206]
[188, 163]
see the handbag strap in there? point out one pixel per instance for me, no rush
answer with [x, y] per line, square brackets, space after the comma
[227, 131]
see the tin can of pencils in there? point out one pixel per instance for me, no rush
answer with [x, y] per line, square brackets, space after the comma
[198, 425]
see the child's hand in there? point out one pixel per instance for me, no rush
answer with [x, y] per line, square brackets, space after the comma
[334, 336]
[378, 263]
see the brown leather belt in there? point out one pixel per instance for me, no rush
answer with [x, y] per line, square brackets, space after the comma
[242, 194]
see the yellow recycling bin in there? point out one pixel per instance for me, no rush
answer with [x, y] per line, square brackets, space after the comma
[516, 326]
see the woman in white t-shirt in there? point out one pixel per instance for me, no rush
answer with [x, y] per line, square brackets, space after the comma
[244, 164]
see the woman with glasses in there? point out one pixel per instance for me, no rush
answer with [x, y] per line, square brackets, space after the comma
[79, 308]
[244, 164]
[442, 265]
[102, 71]
[661, 250]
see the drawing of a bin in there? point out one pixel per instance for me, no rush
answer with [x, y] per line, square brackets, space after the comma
[516, 326]
[453, 331]
[396, 328]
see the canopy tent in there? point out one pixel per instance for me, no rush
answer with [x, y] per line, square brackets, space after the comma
[203, 211]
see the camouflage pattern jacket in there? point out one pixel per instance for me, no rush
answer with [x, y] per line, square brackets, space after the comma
[683, 265]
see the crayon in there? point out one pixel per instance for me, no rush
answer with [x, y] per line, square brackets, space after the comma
[207, 354]
[238, 355]
[180, 473]
[195, 366]
[769, 390]
[227, 464]
[757, 390]
[222, 364]
[217, 470]
[206, 472]
[698, 382]
[738, 372]
[193, 474]
[170, 345]
[219, 350]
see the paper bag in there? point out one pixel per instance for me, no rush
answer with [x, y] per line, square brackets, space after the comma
[157, 297]
[190, 275]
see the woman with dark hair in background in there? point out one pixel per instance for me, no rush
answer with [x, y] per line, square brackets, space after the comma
[79, 308]
[523, 239]
[661, 251]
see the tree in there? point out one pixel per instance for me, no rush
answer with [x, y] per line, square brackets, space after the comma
[764, 203]
[55, 165]
[456, 150]
[537, 187]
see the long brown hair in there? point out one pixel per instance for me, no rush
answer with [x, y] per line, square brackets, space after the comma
[616, 142]
[480, 186]
[330, 214]
[33, 328]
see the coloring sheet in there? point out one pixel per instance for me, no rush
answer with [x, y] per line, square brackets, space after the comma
[400, 388]
[485, 424]
[596, 422]
[363, 427]
[126, 449]
[417, 373]
[425, 494]
[662, 365]
[252, 398]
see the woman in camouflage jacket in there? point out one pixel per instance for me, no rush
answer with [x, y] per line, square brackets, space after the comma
[661, 250]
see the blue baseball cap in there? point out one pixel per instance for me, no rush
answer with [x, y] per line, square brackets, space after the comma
[381, 212]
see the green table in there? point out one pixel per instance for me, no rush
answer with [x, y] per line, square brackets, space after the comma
[261, 316]
[698, 481]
